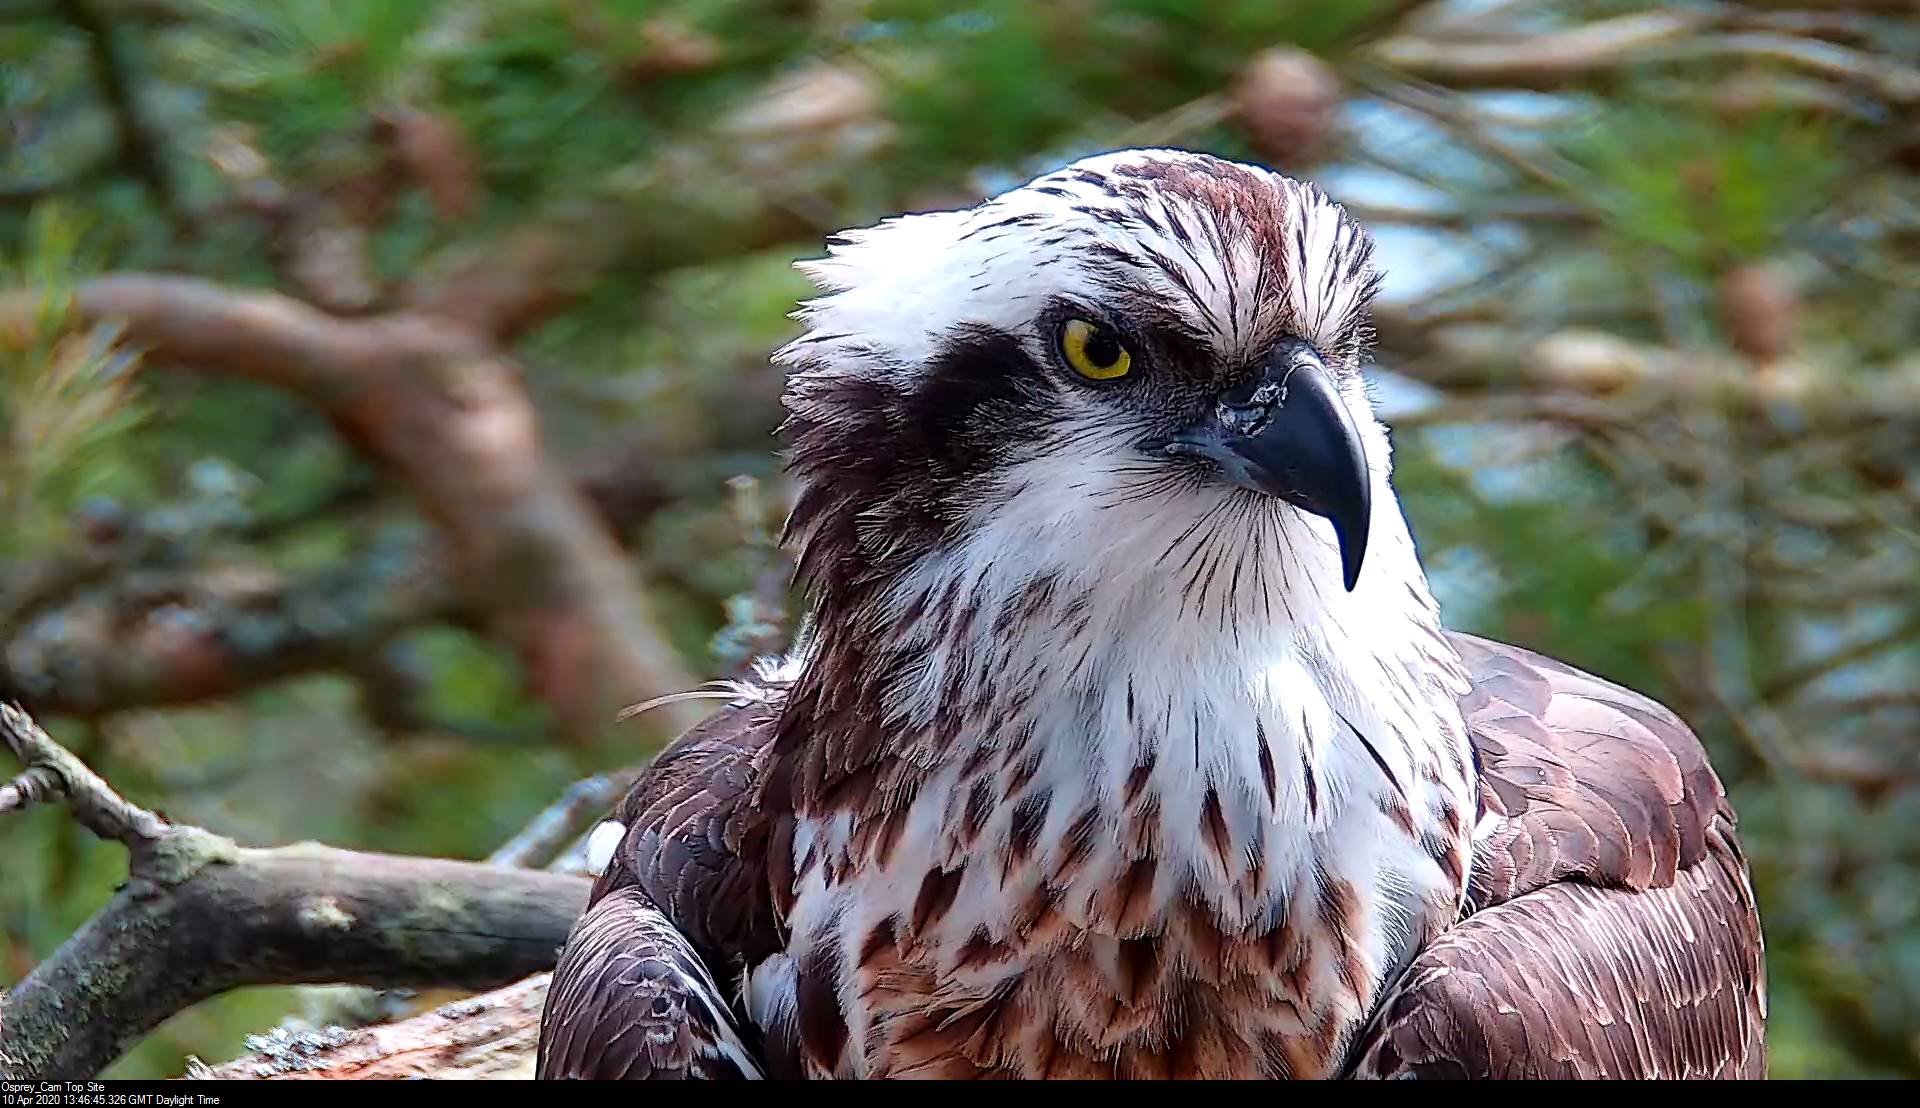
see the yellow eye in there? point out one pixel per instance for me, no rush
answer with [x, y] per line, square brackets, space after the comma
[1094, 351]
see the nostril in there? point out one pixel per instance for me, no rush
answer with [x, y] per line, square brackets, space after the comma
[1245, 419]
[1242, 395]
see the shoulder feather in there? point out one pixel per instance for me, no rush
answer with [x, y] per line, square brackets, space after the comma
[1582, 778]
[689, 897]
[1612, 930]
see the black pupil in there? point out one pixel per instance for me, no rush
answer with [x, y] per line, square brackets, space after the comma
[1102, 349]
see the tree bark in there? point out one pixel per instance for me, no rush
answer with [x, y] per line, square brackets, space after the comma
[200, 915]
[494, 1036]
[442, 409]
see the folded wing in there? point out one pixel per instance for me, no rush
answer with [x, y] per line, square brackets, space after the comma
[631, 1001]
[1612, 931]
[683, 913]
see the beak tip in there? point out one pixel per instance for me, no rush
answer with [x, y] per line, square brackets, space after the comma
[1353, 552]
[1352, 520]
[1304, 448]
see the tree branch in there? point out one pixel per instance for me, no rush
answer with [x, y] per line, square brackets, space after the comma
[492, 1036]
[124, 629]
[1555, 60]
[1784, 685]
[443, 411]
[657, 213]
[554, 840]
[157, 638]
[1541, 61]
[141, 150]
[550, 832]
[201, 915]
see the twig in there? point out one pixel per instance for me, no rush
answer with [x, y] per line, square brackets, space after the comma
[1546, 170]
[1542, 61]
[140, 145]
[1783, 685]
[1758, 726]
[1881, 77]
[1467, 219]
[52, 773]
[583, 803]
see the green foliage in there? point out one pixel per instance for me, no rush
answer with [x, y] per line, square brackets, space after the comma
[1005, 81]
[530, 89]
[470, 680]
[567, 107]
[303, 72]
[1708, 190]
[1550, 603]
[990, 82]
[66, 399]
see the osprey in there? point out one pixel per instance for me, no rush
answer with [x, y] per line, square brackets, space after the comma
[1123, 739]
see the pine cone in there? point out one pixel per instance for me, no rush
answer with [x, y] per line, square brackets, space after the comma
[1760, 311]
[1287, 100]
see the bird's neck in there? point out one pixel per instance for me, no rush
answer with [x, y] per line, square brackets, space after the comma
[1235, 688]
[1030, 751]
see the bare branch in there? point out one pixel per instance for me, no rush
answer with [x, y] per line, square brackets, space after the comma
[1792, 681]
[155, 638]
[443, 411]
[201, 915]
[491, 1036]
[1879, 76]
[1541, 61]
[54, 773]
[119, 633]
[551, 840]
[1470, 359]
[562, 821]
[1467, 219]
[1558, 59]
[141, 150]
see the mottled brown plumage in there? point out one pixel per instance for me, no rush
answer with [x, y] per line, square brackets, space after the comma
[1612, 931]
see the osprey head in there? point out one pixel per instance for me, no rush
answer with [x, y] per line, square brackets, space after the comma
[1132, 348]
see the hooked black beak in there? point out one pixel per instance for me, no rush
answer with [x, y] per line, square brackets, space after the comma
[1288, 434]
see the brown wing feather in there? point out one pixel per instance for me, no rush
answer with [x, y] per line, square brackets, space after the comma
[686, 901]
[698, 840]
[1613, 931]
[631, 1001]
[1574, 981]
[1592, 781]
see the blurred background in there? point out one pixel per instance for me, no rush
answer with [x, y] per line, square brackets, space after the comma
[384, 399]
